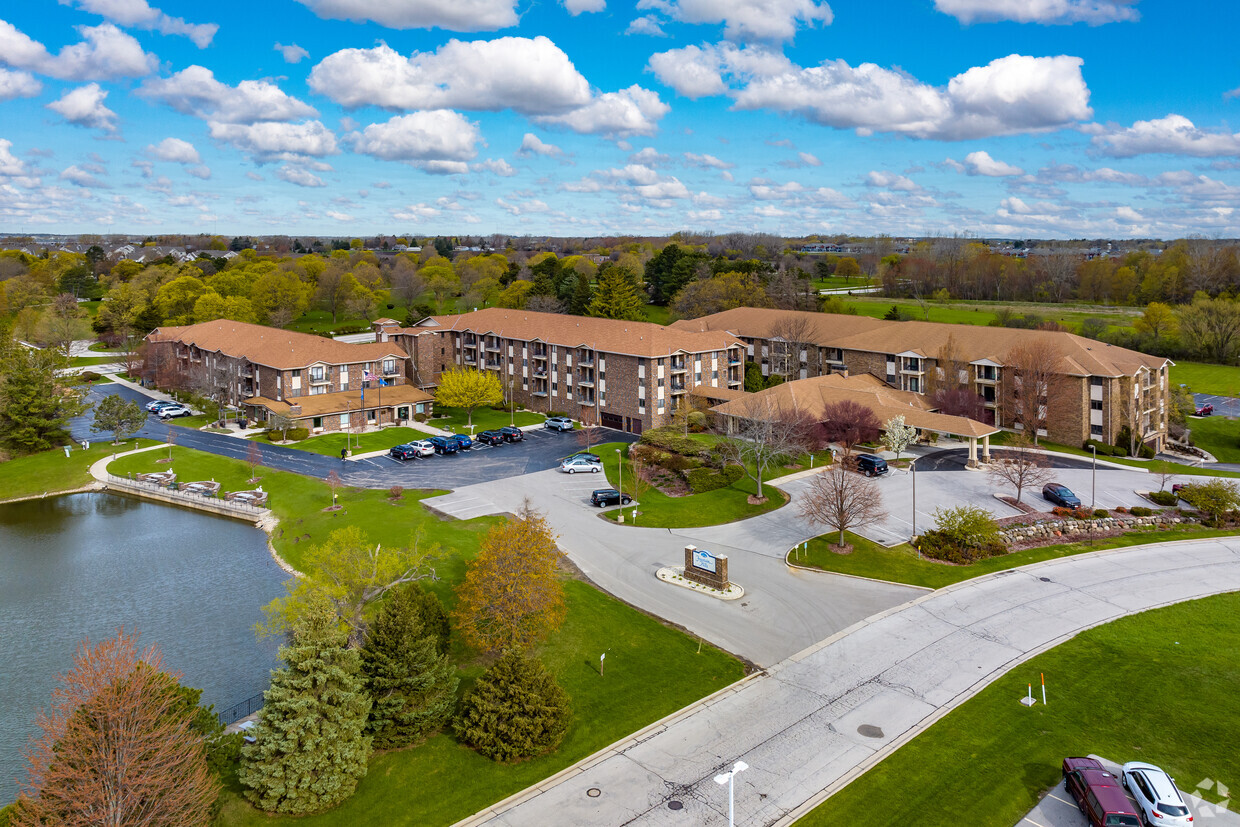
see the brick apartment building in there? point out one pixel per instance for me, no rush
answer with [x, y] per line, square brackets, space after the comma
[624, 375]
[322, 384]
[1099, 389]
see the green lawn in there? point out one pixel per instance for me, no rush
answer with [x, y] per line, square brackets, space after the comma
[50, 471]
[1153, 466]
[659, 314]
[652, 671]
[330, 444]
[983, 313]
[900, 564]
[100, 347]
[657, 510]
[87, 361]
[1157, 687]
[1219, 435]
[1220, 380]
[320, 322]
[836, 282]
[485, 419]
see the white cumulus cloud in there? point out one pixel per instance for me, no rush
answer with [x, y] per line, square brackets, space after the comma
[436, 135]
[275, 140]
[81, 177]
[104, 53]
[766, 20]
[1093, 12]
[707, 161]
[891, 181]
[1172, 135]
[195, 91]
[84, 106]
[576, 7]
[647, 25]
[980, 163]
[531, 144]
[629, 112]
[299, 176]
[175, 151]
[453, 15]
[18, 85]
[292, 53]
[698, 71]
[138, 14]
[496, 166]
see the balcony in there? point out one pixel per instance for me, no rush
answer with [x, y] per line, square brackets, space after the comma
[539, 353]
[494, 347]
[585, 381]
[734, 359]
[321, 380]
[538, 393]
[586, 402]
[540, 374]
[679, 367]
[493, 364]
[469, 359]
[585, 361]
[677, 387]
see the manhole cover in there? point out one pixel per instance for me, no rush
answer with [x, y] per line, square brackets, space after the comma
[870, 731]
[1045, 579]
[674, 805]
[594, 792]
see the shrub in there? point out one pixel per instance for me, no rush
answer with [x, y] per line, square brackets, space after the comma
[697, 421]
[515, 710]
[1101, 448]
[396, 492]
[1164, 497]
[298, 434]
[1101, 513]
[702, 480]
[90, 376]
[558, 413]
[1122, 440]
[1146, 452]
[1121, 510]
[1141, 511]
[677, 463]
[419, 417]
[672, 441]
[1213, 499]
[964, 534]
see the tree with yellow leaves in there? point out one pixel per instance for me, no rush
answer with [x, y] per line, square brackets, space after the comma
[469, 389]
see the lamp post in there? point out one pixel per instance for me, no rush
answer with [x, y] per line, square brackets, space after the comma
[620, 465]
[1093, 476]
[913, 465]
[729, 779]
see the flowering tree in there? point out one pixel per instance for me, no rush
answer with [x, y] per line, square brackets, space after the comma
[897, 436]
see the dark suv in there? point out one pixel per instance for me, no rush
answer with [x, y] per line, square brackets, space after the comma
[871, 465]
[512, 433]
[490, 438]
[1060, 494]
[445, 444]
[1098, 794]
[609, 496]
[403, 452]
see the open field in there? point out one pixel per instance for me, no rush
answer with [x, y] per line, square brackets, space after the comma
[993, 758]
[50, 471]
[1220, 380]
[983, 313]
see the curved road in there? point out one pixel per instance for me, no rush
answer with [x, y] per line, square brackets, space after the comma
[797, 725]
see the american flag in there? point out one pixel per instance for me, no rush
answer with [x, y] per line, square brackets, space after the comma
[368, 376]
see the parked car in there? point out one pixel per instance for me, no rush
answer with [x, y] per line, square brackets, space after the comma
[173, 411]
[1157, 796]
[584, 455]
[576, 466]
[558, 423]
[1060, 494]
[512, 433]
[491, 438]
[1205, 410]
[403, 452]
[154, 405]
[609, 496]
[444, 444]
[872, 465]
[462, 441]
[1098, 794]
[423, 447]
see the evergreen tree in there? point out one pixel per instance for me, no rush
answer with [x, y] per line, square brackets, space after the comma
[515, 710]
[311, 749]
[412, 686]
[618, 296]
[583, 292]
[754, 380]
[434, 619]
[35, 402]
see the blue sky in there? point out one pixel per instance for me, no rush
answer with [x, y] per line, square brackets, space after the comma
[1022, 118]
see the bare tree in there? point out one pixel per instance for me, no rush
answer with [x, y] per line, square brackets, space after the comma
[758, 440]
[842, 501]
[585, 436]
[849, 423]
[1033, 385]
[788, 338]
[334, 482]
[254, 459]
[1019, 466]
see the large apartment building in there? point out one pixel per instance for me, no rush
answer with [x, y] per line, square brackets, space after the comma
[321, 383]
[1098, 388]
[619, 374]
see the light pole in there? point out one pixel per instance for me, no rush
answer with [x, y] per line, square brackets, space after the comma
[728, 778]
[1093, 476]
[913, 465]
[620, 465]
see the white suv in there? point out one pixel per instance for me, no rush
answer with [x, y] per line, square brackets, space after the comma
[558, 423]
[1156, 795]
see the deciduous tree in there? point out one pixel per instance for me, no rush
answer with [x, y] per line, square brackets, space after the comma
[516, 710]
[1032, 384]
[121, 416]
[469, 389]
[897, 436]
[512, 595]
[1211, 328]
[1019, 465]
[254, 459]
[311, 749]
[849, 423]
[756, 439]
[842, 500]
[117, 746]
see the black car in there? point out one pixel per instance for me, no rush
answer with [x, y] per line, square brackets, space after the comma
[445, 444]
[512, 434]
[403, 452]
[609, 496]
[872, 465]
[490, 438]
[584, 455]
[1060, 494]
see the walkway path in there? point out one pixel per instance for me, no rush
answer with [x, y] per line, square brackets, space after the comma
[798, 725]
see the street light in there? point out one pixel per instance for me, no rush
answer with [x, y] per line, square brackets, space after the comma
[727, 778]
[620, 465]
[1093, 476]
[913, 465]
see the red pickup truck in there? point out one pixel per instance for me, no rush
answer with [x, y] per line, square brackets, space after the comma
[1099, 794]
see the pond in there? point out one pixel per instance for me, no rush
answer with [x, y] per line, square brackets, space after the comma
[83, 565]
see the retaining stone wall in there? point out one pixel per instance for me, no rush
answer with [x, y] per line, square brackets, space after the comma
[1058, 528]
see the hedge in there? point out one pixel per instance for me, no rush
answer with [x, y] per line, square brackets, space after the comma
[702, 480]
[1164, 497]
[294, 435]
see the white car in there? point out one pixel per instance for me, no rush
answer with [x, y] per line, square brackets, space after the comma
[172, 411]
[1156, 795]
[155, 405]
[578, 465]
[423, 447]
[558, 423]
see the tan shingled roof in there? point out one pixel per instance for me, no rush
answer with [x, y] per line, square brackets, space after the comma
[1081, 356]
[272, 347]
[326, 404]
[608, 335]
[814, 394]
[711, 392]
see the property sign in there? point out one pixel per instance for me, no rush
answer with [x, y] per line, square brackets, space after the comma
[704, 560]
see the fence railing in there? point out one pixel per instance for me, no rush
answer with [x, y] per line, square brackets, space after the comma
[188, 497]
[238, 711]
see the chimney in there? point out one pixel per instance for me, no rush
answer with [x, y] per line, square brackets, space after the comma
[294, 410]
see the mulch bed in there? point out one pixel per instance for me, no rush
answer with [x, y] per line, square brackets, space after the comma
[1019, 506]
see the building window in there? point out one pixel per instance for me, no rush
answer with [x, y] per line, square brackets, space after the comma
[318, 422]
[389, 365]
[370, 416]
[1095, 430]
[316, 374]
[295, 374]
[1095, 404]
[421, 408]
[1095, 381]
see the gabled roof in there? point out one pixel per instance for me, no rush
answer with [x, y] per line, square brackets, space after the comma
[272, 347]
[326, 404]
[609, 335]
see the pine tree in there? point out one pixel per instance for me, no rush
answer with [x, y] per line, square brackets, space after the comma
[618, 296]
[583, 292]
[311, 749]
[412, 686]
[515, 710]
[36, 401]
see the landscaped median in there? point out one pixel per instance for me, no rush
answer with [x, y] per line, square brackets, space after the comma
[1157, 686]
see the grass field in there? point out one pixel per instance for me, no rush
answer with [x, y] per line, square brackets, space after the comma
[320, 322]
[50, 471]
[1156, 466]
[330, 444]
[1220, 380]
[485, 419]
[900, 564]
[658, 314]
[983, 313]
[1219, 435]
[1156, 687]
[87, 361]
[657, 510]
